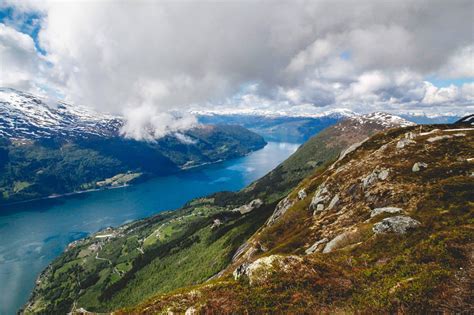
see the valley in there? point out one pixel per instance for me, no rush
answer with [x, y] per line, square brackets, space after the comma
[33, 234]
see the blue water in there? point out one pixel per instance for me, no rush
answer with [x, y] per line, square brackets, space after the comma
[33, 234]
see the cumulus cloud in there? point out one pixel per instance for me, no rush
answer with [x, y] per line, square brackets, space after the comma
[19, 60]
[148, 59]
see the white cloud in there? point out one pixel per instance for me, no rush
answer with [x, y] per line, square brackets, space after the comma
[148, 60]
[19, 59]
[460, 64]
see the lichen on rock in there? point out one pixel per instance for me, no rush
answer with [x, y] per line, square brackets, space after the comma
[398, 224]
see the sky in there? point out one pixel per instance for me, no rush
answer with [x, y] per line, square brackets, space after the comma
[154, 61]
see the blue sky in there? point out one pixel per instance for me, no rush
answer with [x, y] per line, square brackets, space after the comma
[25, 22]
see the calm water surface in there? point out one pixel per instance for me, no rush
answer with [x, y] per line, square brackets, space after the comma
[33, 234]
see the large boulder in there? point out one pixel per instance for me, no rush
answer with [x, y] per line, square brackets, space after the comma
[315, 246]
[252, 205]
[262, 268]
[280, 209]
[340, 241]
[391, 210]
[302, 194]
[398, 224]
[321, 196]
[376, 175]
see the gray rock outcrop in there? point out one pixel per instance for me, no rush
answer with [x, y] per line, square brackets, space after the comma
[259, 270]
[302, 194]
[376, 175]
[252, 205]
[320, 197]
[337, 241]
[280, 209]
[378, 211]
[314, 247]
[398, 224]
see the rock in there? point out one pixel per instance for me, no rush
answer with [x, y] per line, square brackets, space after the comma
[399, 224]
[280, 209]
[240, 271]
[350, 149]
[252, 205]
[319, 208]
[260, 269]
[216, 223]
[404, 142]
[313, 247]
[378, 211]
[383, 174]
[335, 242]
[409, 135]
[246, 249]
[418, 166]
[438, 138]
[372, 178]
[320, 197]
[302, 194]
[334, 202]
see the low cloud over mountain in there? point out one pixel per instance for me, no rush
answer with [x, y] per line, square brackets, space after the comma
[148, 60]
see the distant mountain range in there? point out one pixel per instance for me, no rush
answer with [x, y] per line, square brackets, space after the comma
[52, 149]
[298, 127]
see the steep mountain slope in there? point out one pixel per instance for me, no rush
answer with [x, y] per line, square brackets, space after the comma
[387, 228]
[124, 266]
[48, 149]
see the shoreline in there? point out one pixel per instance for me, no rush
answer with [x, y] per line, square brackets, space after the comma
[74, 193]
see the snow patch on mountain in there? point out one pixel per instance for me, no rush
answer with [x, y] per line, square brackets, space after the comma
[25, 116]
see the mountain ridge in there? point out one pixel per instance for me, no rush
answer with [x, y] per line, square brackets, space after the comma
[387, 228]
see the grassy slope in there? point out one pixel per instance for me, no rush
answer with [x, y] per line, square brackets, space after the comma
[429, 269]
[187, 251]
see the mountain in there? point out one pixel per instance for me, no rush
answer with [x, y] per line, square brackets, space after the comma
[25, 116]
[123, 266]
[50, 149]
[431, 119]
[299, 127]
[277, 127]
[387, 228]
[467, 121]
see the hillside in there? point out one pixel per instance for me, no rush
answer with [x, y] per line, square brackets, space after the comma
[126, 265]
[387, 228]
[50, 149]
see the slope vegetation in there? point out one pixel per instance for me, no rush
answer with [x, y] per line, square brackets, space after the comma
[387, 228]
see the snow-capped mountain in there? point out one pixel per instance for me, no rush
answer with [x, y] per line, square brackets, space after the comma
[25, 116]
[293, 112]
[385, 119]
